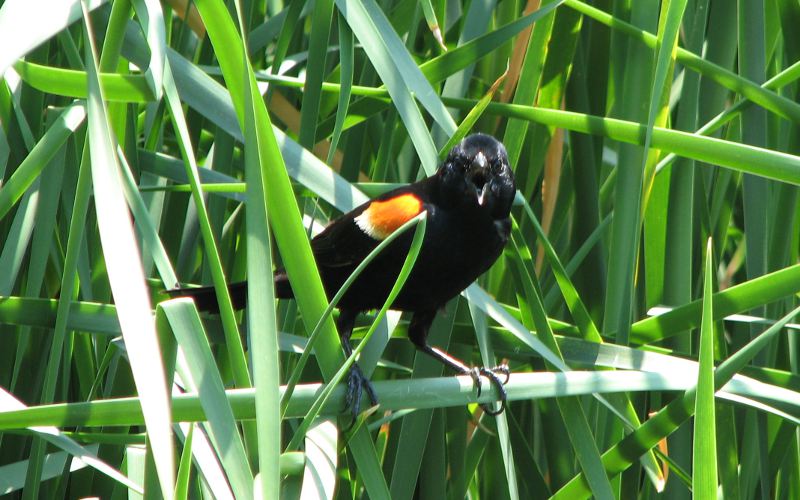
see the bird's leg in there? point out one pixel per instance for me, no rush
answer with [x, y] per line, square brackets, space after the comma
[418, 334]
[356, 381]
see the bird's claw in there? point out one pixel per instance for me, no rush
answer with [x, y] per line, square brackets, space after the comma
[491, 373]
[503, 369]
[357, 383]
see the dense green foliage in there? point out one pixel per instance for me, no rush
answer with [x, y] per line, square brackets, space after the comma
[655, 148]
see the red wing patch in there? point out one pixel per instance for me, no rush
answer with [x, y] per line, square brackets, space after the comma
[382, 218]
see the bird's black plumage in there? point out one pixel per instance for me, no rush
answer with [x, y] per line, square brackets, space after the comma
[468, 202]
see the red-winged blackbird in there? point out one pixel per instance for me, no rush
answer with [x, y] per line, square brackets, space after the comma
[468, 202]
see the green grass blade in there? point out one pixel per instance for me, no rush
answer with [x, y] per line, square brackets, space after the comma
[416, 427]
[346, 80]
[86, 455]
[205, 379]
[400, 75]
[72, 83]
[184, 467]
[704, 458]
[738, 299]
[319, 476]
[151, 20]
[127, 278]
[530, 78]
[261, 316]
[25, 174]
[289, 233]
[321, 18]
[501, 421]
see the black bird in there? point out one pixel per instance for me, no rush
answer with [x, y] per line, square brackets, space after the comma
[468, 201]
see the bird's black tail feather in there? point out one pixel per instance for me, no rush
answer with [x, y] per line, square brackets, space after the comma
[206, 298]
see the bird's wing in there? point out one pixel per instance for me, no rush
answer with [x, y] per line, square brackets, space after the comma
[342, 243]
[350, 238]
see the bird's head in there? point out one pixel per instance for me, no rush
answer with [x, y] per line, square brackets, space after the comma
[476, 172]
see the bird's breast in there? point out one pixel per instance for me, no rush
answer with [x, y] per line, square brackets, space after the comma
[455, 252]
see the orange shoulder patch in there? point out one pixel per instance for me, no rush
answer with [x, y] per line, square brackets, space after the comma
[382, 218]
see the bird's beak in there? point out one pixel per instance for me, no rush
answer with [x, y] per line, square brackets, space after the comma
[478, 175]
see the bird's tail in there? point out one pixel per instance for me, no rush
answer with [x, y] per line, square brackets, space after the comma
[206, 298]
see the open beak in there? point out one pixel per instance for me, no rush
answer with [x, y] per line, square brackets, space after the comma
[479, 177]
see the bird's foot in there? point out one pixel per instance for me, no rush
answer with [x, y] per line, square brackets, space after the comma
[357, 383]
[492, 375]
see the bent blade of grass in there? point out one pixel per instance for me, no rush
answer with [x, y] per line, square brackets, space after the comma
[741, 157]
[205, 379]
[395, 394]
[743, 389]
[43, 313]
[321, 459]
[785, 77]
[12, 475]
[55, 437]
